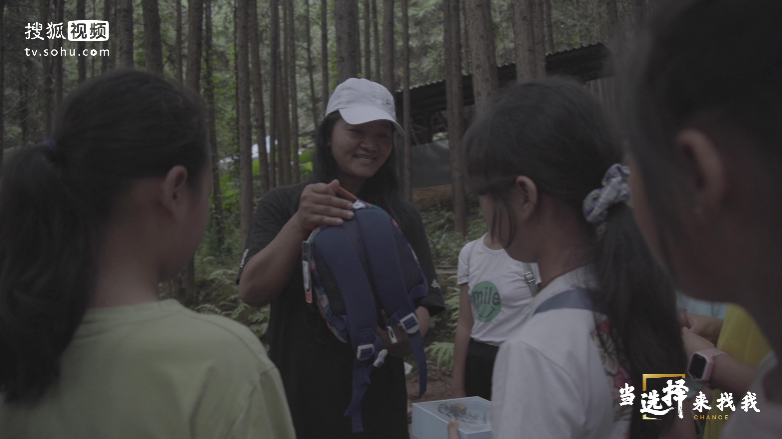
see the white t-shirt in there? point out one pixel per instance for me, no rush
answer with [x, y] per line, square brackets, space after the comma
[765, 424]
[549, 381]
[499, 295]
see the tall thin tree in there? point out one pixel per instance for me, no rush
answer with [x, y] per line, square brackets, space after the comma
[484, 66]
[367, 44]
[179, 70]
[293, 92]
[245, 129]
[125, 32]
[104, 61]
[311, 70]
[348, 55]
[48, 79]
[283, 122]
[59, 70]
[209, 97]
[539, 30]
[81, 14]
[195, 17]
[2, 82]
[388, 45]
[324, 51]
[153, 47]
[454, 104]
[548, 26]
[193, 80]
[524, 40]
[376, 38]
[259, 118]
[407, 159]
[275, 173]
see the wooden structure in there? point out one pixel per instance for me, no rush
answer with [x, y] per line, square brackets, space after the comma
[589, 64]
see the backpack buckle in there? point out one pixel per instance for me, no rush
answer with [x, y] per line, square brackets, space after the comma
[381, 358]
[365, 352]
[410, 322]
[392, 335]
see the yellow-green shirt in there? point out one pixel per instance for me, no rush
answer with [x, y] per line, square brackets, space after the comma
[157, 370]
[742, 339]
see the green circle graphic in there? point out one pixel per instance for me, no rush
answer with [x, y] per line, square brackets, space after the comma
[486, 299]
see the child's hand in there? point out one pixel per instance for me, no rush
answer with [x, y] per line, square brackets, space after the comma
[694, 342]
[453, 429]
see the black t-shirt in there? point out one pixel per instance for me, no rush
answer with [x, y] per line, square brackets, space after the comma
[317, 368]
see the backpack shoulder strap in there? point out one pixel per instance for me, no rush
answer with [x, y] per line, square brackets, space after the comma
[360, 308]
[377, 232]
[578, 298]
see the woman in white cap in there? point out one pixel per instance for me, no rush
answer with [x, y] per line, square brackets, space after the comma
[355, 150]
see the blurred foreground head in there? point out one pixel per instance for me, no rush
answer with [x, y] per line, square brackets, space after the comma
[704, 116]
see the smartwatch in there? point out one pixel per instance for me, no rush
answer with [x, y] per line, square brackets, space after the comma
[702, 364]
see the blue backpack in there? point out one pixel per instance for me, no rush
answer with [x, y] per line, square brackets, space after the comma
[355, 270]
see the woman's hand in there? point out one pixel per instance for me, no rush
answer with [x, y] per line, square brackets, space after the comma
[705, 326]
[319, 206]
[453, 429]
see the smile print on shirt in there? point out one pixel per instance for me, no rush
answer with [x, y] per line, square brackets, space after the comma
[485, 298]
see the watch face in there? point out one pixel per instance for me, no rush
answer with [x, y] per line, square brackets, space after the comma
[697, 366]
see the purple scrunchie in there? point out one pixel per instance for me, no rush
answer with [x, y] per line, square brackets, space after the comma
[615, 190]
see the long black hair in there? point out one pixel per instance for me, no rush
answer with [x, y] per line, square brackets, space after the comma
[56, 198]
[712, 65]
[381, 189]
[558, 135]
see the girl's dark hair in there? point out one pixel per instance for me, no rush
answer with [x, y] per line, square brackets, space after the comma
[557, 134]
[56, 199]
[381, 189]
[712, 65]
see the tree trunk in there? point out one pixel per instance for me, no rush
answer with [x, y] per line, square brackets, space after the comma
[484, 66]
[104, 61]
[293, 92]
[466, 40]
[2, 82]
[348, 55]
[195, 16]
[367, 43]
[311, 70]
[524, 40]
[538, 28]
[245, 129]
[284, 100]
[639, 11]
[455, 102]
[48, 79]
[125, 32]
[209, 96]
[324, 52]
[407, 163]
[179, 70]
[59, 71]
[548, 26]
[259, 119]
[376, 36]
[388, 45]
[153, 48]
[81, 14]
[193, 81]
[275, 174]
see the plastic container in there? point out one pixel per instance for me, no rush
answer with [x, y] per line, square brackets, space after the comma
[430, 419]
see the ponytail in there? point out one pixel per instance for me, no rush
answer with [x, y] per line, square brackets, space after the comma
[640, 302]
[56, 199]
[47, 267]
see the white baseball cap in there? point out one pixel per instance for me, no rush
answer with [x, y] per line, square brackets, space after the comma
[361, 101]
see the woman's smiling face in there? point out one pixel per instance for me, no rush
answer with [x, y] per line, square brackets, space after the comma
[360, 150]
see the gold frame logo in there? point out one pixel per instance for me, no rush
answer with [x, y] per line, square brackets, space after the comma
[655, 376]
